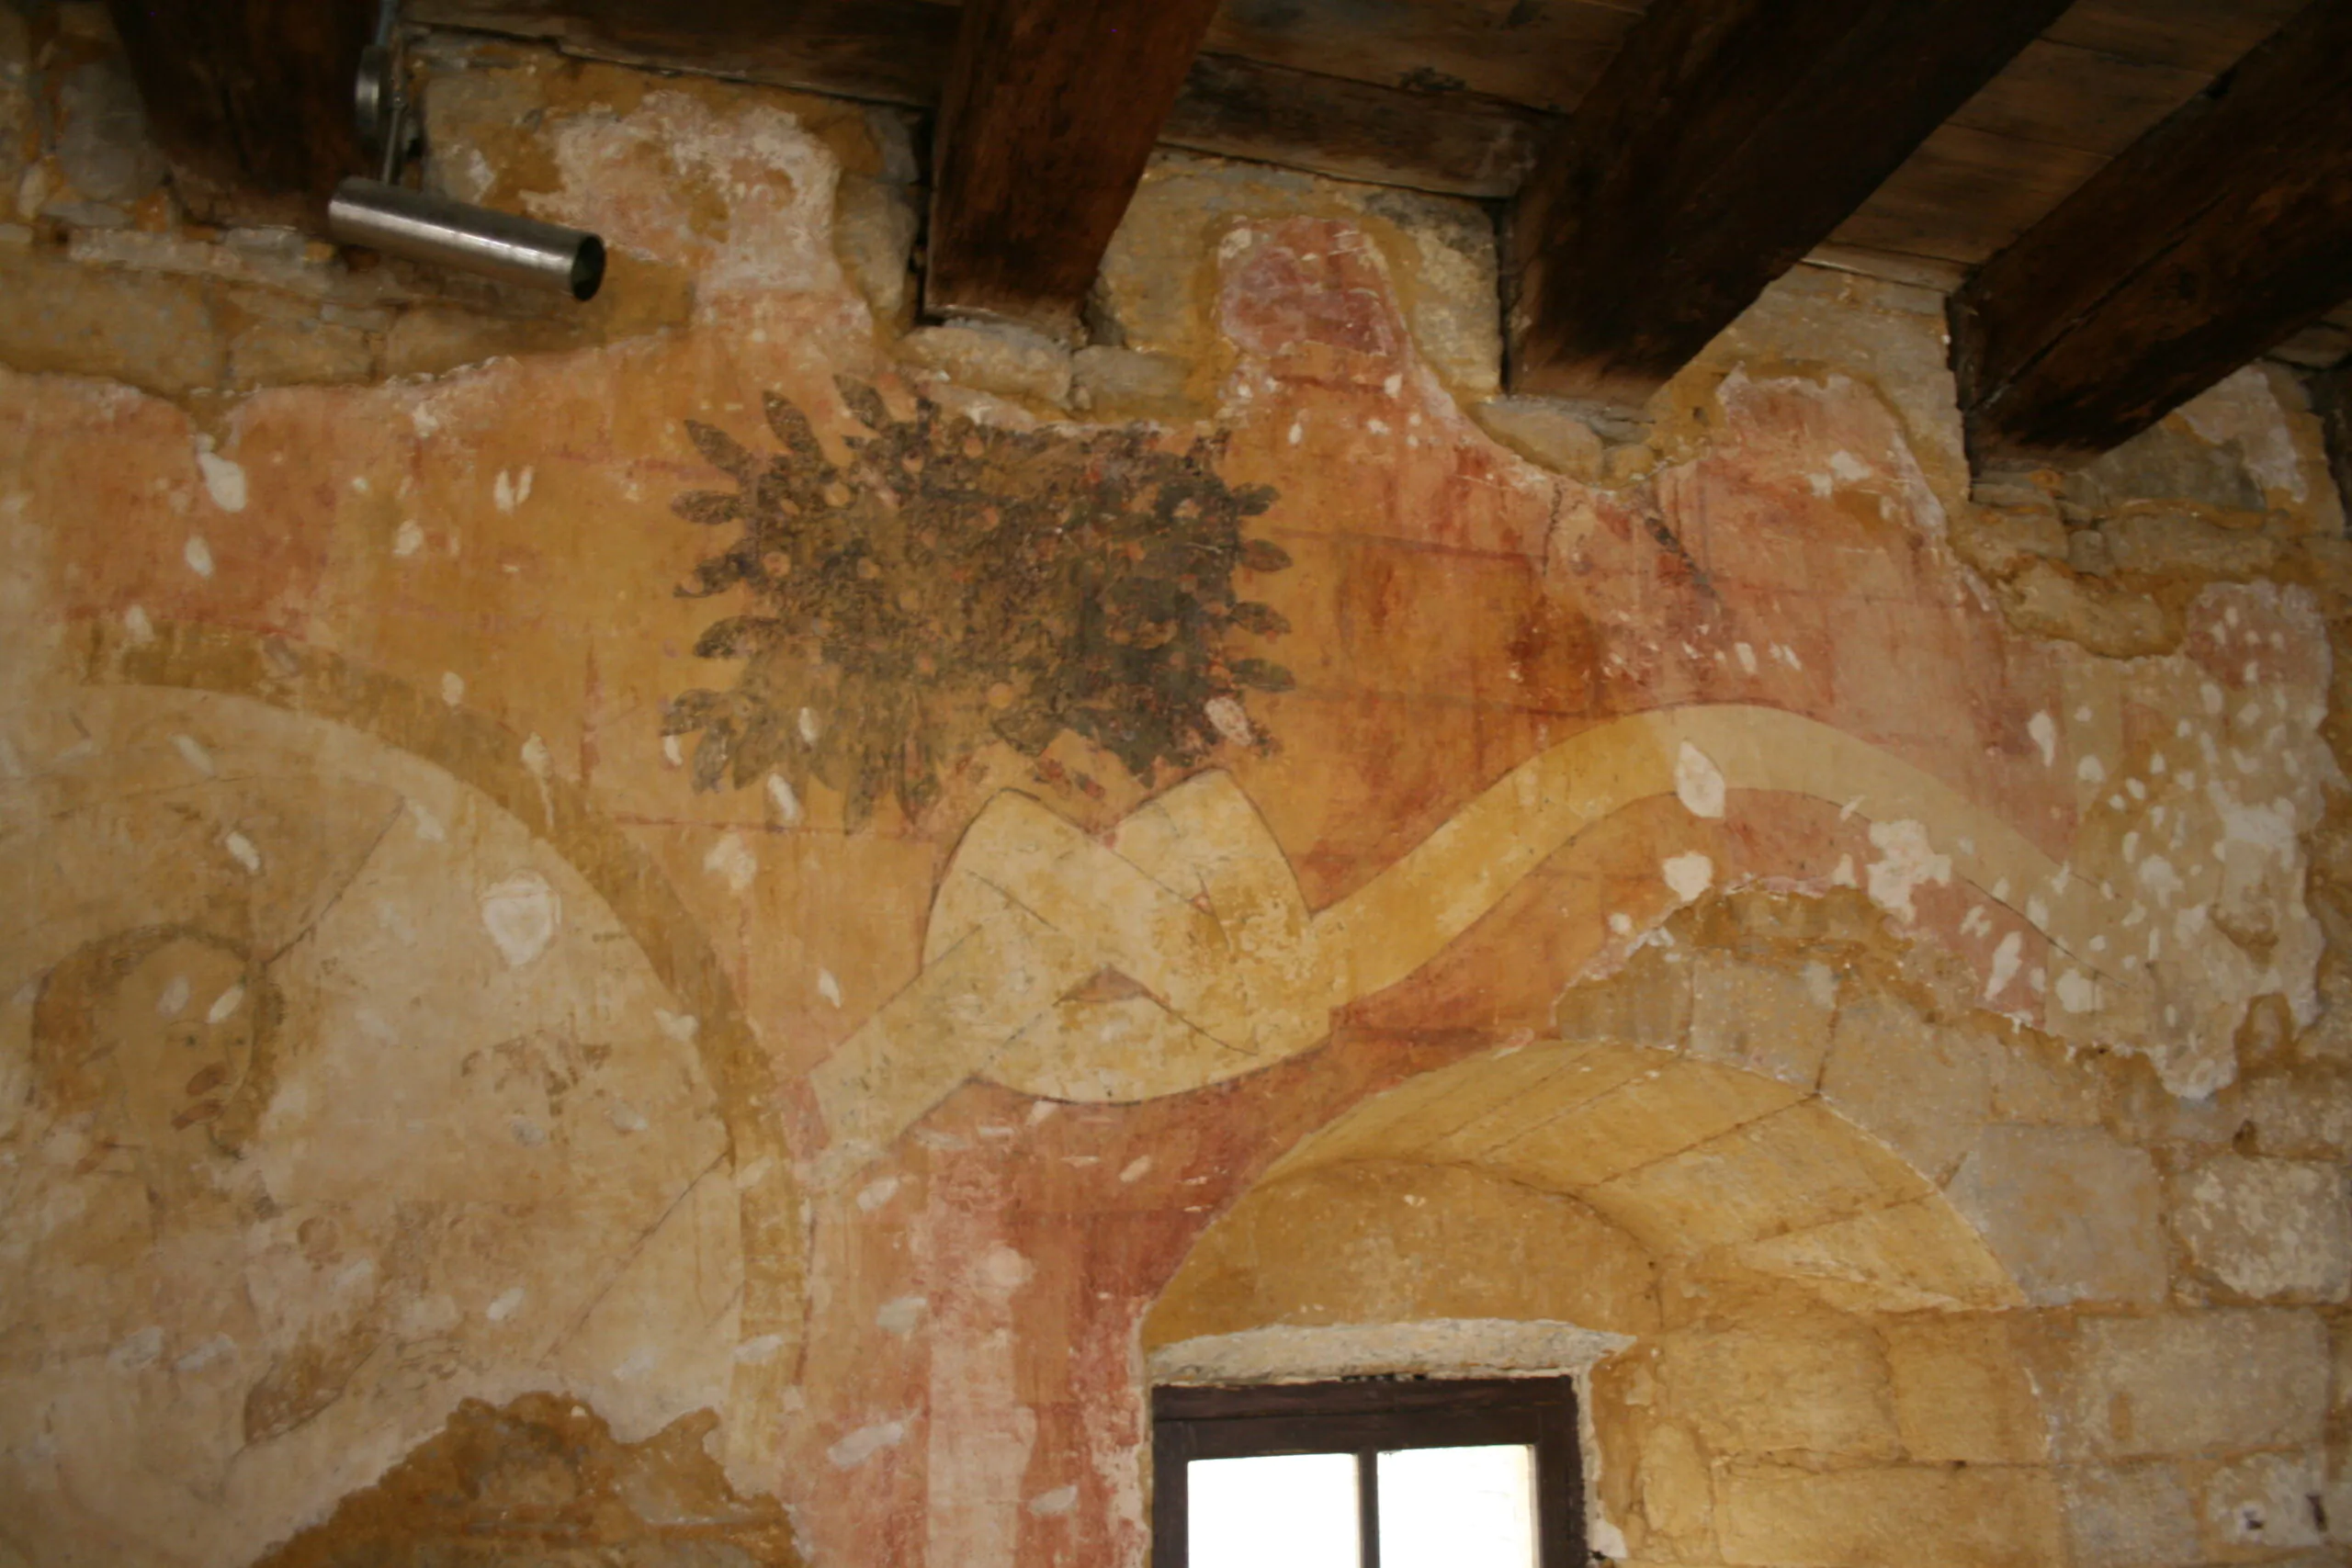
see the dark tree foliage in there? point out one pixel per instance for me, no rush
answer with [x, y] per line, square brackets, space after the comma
[954, 581]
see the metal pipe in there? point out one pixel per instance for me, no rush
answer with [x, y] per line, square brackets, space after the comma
[441, 232]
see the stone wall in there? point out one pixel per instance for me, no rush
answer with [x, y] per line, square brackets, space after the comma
[709, 929]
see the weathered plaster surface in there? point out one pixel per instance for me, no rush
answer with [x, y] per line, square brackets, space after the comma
[1849, 950]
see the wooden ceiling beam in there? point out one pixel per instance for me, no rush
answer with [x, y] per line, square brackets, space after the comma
[1049, 114]
[1726, 139]
[1448, 141]
[2217, 236]
[250, 100]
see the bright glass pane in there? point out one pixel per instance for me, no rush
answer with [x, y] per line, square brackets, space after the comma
[1278, 1511]
[1458, 1507]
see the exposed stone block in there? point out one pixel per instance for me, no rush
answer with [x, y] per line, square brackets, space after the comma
[1760, 1017]
[2185, 1382]
[154, 333]
[2139, 1515]
[1951, 1518]
[1645, 1003]
[274, 352]
[2303, 1113]
[1675, 1489]
[1925, 1090]
[875, 225]
[1920, 1255]
[1545, 431]
[1996, 541]
[2071, 1212]
[2033, 1082]
[1009, 361]
[2044, 599]
[1646, 1120]
[1814, 1384]
[2267, 1228]
[1795, 1167]
[2265, 1501]
[1123, 381]
[2162, 543]
[1961, 1393]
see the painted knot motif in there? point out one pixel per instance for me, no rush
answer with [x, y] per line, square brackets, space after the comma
[955, 582]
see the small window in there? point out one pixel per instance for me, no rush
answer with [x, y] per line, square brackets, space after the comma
[1369, 1474]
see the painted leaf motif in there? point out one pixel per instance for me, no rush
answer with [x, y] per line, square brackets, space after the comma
[958, 585]
[722, 451]
[708, 507]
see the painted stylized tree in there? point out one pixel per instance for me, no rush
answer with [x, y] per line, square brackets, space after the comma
[954, 581]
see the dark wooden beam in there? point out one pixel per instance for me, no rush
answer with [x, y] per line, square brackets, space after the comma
[2332, 401]
[891, 51]
[1727, 139]
[1049, 111]
[2215, 237]
[1452, 143]
[250, 100]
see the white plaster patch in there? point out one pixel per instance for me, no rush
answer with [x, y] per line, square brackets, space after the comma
[680, 1027]
[787, 802]
[829, 987]
[864, 1443]
[240, 850]
[1229, 719]
[1688, 874]
[508, 1303]
[1745, 653]
[137, 627]
[521, 914]
[173, 1000]
[193, 753]
[732, 861]
[137, 1351]
[224, 481]
[1907, 861]
[900, 1314]
[224, 1006]
[428, 826]
[1136, 1170]
[453, 687]
[198, 554]
[2044, 731]
[1054, 1504]
[2007, 956]
[408, 538]
[538, 757]
[759, 1351]
[873, 1194]
[1697, 782]
[2077, 992]
[811, 727]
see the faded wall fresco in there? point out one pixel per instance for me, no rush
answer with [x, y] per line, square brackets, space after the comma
[715, 933]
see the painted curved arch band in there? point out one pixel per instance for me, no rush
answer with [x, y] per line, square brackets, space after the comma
[1192, 904]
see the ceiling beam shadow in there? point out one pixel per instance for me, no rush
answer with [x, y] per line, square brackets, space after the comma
[2212, 239]
[1049, 112]
[1726, 139]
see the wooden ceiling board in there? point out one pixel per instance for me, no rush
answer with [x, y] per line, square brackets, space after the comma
[883, 50]
[2080, 98]
[1544, 54]
[2196, 35]
[1965, 193]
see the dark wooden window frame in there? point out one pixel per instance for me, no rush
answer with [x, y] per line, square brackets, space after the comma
[1365, 1418]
